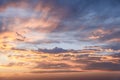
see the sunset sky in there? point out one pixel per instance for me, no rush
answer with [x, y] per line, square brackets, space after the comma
[47, 36]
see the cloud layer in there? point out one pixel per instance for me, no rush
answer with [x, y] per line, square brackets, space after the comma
[60, 35]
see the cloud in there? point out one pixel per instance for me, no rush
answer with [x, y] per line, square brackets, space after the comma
[88, 14]
[117, 55]
[52, 65]
[30, 29]
[33, 20]
[62, 61]
[57, 71]
[114, 45]
[45, 18]
[104, 66]
[54, 50]
[113, 36]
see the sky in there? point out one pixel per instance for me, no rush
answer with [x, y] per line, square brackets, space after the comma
[52, 36]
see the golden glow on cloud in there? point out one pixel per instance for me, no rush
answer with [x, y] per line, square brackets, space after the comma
[28, 61]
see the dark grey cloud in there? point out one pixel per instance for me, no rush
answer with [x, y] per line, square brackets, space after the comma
[116, 55]
[52, 66]
[103, 66]
[3, 28]
[114, 46]
[54, 50]
[87, 58]
[111, 36]
[111, 39]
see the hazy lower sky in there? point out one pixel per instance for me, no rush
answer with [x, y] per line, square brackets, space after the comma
[52, 36]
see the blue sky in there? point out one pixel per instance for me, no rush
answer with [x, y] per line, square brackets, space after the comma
[78, 23]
